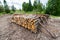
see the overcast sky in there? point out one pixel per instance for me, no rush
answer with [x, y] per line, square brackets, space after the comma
[18, 3]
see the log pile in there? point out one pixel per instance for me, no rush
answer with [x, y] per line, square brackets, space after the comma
[32, 22]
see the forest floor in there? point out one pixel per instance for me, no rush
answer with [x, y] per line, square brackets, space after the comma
[10, 31]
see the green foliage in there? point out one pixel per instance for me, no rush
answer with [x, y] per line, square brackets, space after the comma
[53, 7]
[37, 7]
[13, 8]
[27, 6]
[30, 6]
[6, 8]
[1, 9]
[58, 7]
[11, 12]
[43, 8]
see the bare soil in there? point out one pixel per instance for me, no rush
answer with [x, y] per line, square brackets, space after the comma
[11, 31]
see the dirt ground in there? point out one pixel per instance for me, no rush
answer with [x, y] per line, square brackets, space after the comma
[11, 31]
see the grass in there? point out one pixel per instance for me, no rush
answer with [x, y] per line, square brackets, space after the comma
[54, 16]
[30, 12]
[1, 14]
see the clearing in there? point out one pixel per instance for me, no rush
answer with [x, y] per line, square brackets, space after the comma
[12, 31]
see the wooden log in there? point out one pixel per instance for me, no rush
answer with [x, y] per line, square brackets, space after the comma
[30, 21]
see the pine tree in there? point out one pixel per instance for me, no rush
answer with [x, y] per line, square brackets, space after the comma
[0, 2]
[30, 6]
[13, 8]
[1, 7]
[53, 7]
[58, 8]
[37, 6]
[25, 6]
[6, 8]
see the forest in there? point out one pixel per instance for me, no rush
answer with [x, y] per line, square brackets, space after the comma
[52, 8]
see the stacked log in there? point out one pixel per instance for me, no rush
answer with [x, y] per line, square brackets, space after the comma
[30, 21]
